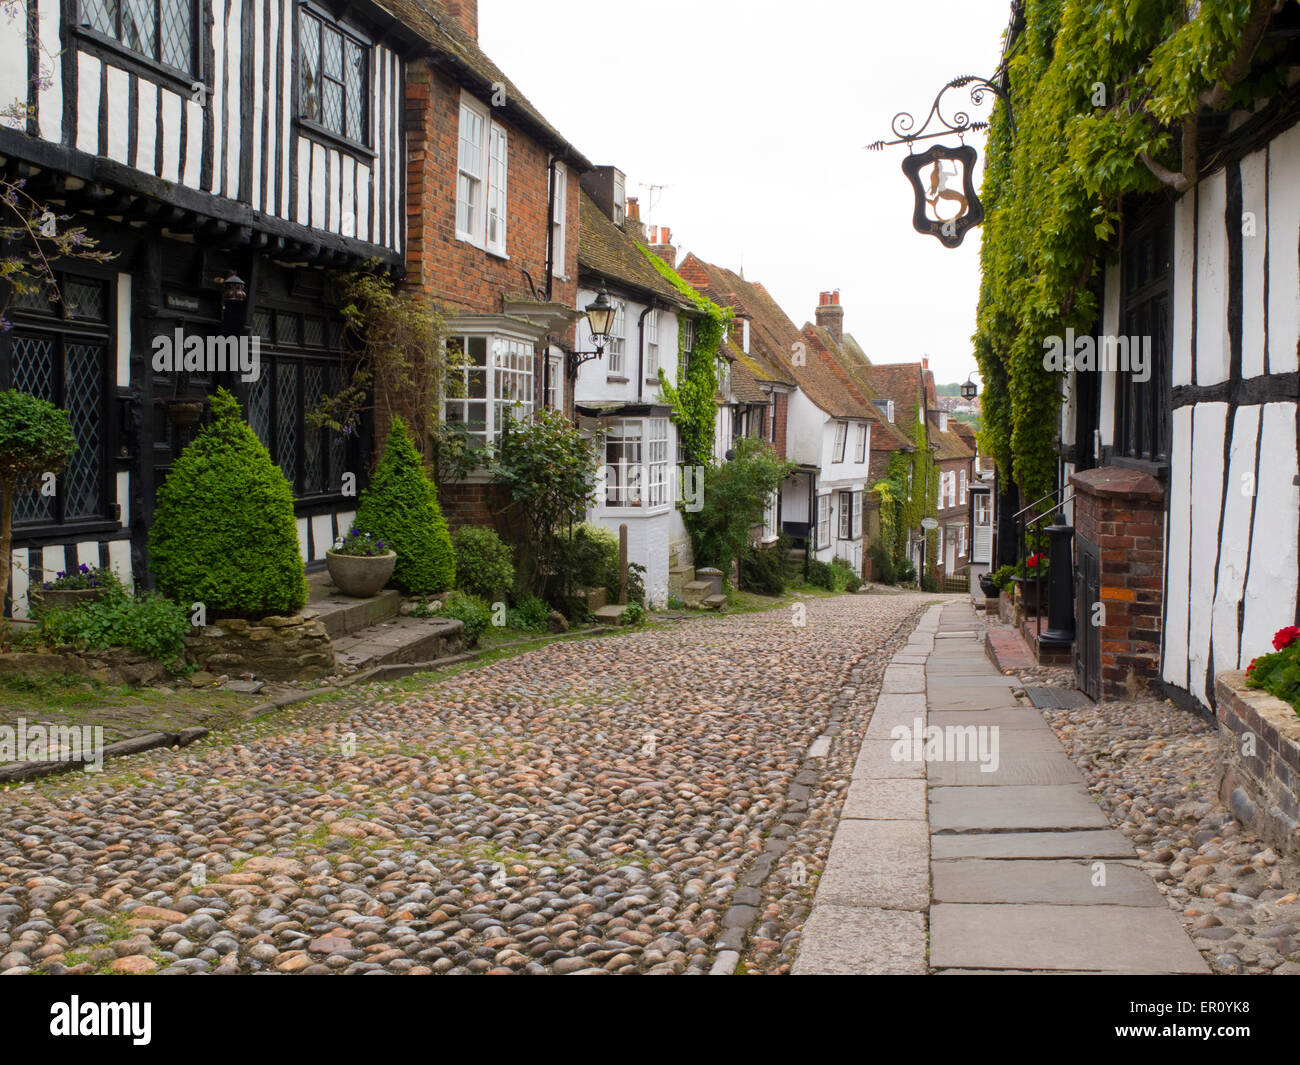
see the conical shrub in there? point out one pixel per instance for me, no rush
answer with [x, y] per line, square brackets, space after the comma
[224, 532]
[401, 508]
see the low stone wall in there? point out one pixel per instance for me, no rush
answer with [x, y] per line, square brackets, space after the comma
[1261, 771]
[113, 666]
[295, 647]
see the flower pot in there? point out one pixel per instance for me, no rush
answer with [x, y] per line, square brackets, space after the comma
[989, 588]
[360, 576]
[66, 598]
[1029, 593]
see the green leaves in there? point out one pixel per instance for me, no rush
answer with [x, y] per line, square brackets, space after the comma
[35, 438]
[735, 495]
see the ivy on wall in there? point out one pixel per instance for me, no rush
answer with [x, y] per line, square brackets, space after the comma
[1105, 95]
[693, 396]
[908, 493]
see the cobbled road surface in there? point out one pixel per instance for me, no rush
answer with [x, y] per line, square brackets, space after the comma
[589, 806]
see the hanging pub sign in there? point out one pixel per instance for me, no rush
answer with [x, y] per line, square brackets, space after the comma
[943, 183]
[945, 204]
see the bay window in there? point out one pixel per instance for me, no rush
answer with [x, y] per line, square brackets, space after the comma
[623, 462]
[496, 384]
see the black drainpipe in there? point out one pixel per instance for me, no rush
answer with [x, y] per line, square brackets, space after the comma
[550, 227]
[640, 352]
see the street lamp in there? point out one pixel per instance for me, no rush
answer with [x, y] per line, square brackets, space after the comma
[969, 389]
[600, 321]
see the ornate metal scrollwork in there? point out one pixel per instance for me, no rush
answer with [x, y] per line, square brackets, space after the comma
[903, 125]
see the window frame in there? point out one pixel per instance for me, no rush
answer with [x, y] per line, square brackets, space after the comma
[183, 81]
[559, 220]
[652, 345]
[841, 441]
[846, 515]
[823, 521]
[616, 349]
[860, 445]
[315, 128]
[491, 369]
[497, 201]
[63, 329]
[488, 184]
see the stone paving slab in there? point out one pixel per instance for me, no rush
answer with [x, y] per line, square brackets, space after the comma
[894, 710]
[1011, 769]
[965, 682]
[1015, 808]
[956, 696]
[1088, 844]
[1095, 938]
[903, 680]
[848, 940]
[882, 864]
[885, 800]
[1058, 883]
[876, 762]
[1005, 720]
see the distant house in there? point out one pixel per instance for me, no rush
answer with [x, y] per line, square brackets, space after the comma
[619, 394]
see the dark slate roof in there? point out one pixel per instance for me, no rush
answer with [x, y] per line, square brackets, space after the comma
[606, 250]
[451, 48]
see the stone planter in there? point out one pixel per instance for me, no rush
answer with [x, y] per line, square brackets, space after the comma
[66, 598]
[1261, 768]
[360, 576]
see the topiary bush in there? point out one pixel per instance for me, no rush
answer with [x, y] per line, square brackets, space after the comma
[401, 507]
[224, 532]
[35, 438]
[484, 565]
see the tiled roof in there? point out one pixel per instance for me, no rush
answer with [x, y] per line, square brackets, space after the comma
[606, 250]
[948, 445]
[450, 46]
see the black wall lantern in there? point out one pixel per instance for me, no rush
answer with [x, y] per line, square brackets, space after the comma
[233, 289]
[945, 204]
[600, 321]
[969, 390]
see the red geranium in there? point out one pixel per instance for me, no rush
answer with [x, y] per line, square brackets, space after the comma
[1285, 637]
[1251, 666]
[1032, 561]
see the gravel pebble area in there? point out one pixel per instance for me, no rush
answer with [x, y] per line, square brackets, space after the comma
[591, 806]
[1155, 770]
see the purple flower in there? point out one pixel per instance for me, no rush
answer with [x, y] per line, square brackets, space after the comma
[85, 568]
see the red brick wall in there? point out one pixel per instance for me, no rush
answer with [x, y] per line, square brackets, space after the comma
[780, 418]
[458, 275]
[1121, 513]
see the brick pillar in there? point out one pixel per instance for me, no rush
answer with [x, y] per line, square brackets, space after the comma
[1119, 514]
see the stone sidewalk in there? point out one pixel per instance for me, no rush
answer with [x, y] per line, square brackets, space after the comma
[942, 865]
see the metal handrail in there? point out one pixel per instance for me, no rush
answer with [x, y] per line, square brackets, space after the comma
[1023, 527]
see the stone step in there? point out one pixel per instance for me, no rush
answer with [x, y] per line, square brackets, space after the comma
[341, 614]
[714, 602]
[611, 614]
[400, 640]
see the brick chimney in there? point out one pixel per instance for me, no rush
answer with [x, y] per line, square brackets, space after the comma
[465, 12]
[830, 315]
[632, 224]
[661, 243]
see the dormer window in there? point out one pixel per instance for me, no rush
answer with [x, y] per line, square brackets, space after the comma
[620, 199]
[744, 335]
[889, 410]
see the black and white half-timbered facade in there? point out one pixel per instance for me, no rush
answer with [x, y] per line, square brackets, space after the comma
[1212, 277]
[195, 139]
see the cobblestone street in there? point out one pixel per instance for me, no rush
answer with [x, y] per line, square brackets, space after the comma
[633, 804]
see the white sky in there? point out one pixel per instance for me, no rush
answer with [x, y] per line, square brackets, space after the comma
[754, 114]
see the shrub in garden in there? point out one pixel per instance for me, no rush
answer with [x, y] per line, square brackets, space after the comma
[471, 610]
[766, 569]
[401, 508]
[588, 558]
[883, 565]
[35, 438]
[149, 624]
[224, 532]
[531, 615]
[821, 575]
[484, 565]
[736, 494]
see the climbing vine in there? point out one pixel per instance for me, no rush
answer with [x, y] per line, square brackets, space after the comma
[908, 493]
[693, 396]
[1105, 95]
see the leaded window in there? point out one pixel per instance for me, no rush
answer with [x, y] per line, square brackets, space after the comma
[161, 30]
[333, 78]
[59, 350]
[300, 366]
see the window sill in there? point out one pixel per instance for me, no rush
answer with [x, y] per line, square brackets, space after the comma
[615, 379]
[636, 512]
[186, 84]
[496, 254]
[312, 131]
